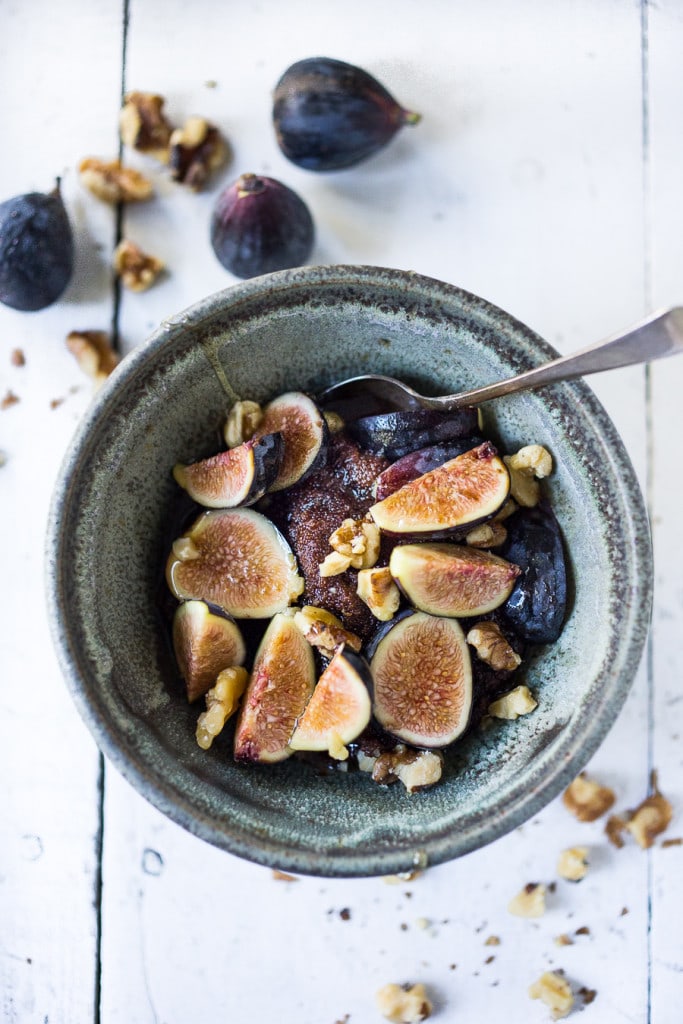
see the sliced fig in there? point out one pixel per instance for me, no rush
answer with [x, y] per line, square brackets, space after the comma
[465, 490]
[451, 579]
[422, 677]
[537, 605]
[239, 476]
[415, 464]
[395, 434]
[278, 691]
[339, 709]
[304, 432]
[236, 559]
[205, 642]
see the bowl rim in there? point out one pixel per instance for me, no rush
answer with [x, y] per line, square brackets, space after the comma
[174, 802]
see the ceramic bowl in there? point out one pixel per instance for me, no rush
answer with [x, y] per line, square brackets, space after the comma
[109, 537]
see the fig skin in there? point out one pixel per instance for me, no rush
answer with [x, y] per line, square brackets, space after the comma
[537, 606]
[279, 688]
[237, 477]
[205, 642]
[36, 250]
[452, 579]
[395, 434]
[339, 709]
[414, 464]
[260, 225]
[305, 435]
[329, 115]
[422, 679]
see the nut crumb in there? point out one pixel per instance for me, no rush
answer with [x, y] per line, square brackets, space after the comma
[283, 876]
[197, 149]
[376, 588]
[587, 994]
[403, 1004]
[583, 930]
[614, 829]
[586, 799]
[93, 353]
[529, 902]
[510, 706]
[488, 535]
[56, 402]
[9, 400]
[113, 183]
[17, 358]
[555, 992]
[492, 647]
[137, 270]
[416, 769]
[666, 843]
[492, 940]
[143, 125]
[345, 914]
[573, 863]
[651, 817]
[563, 940]
[402, 877]
[242, 423]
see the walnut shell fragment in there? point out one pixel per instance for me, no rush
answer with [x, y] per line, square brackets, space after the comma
[93, 353]
[137, 270]
[113, 183]
[143, 125]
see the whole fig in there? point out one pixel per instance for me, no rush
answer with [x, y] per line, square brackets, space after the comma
[36, 250]
[260, 225]
[329, 115]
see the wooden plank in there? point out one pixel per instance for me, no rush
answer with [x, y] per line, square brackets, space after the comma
[507, 188]
[665, 223]
[59, 69]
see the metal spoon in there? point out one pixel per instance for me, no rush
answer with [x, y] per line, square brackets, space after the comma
[653, 338]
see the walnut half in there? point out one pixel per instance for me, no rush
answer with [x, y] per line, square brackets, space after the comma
[492, 647]
[197, 149]
[112, 182]
[143, 125]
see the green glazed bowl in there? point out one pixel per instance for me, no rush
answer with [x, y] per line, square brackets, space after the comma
[109, 537]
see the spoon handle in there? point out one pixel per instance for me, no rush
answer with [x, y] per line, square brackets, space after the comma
[657, 336]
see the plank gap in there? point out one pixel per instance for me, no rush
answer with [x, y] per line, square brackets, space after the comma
[118, 230]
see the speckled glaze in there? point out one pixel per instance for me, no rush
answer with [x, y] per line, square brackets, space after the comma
[109, 535]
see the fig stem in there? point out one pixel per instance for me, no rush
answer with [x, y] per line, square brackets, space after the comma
[410, 117]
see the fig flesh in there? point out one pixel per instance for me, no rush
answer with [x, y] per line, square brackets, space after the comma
[537, 605]
[36, 250]
[422, 677]
[239, 476]
[329, 114]
[238, 560]
[205, 642]
[339, 709]
[451, 579]
[414, 464]
[464, 491]
[260, 225]
[277, 693]
[304, 434]
[395, 434]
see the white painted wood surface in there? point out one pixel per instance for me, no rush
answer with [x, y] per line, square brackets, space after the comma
[545, 176]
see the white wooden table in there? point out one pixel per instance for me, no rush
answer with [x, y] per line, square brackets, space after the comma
[545, 176]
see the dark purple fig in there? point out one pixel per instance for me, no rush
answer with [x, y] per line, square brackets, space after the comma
[339, 709]
[462, 492]
[413, 465]
[537, 605]
[279, 688]
[422, 678]
[395, 434]
[259, 225]
[236, 559]
[451, 579]
[329, 115]
[36, 250]
[205, 642]
[304, 432]
[239, 476]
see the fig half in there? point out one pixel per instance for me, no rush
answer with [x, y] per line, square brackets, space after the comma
[205, 642]
[451, 579]
[395, 434]
[278, 691]
[537, 605]
[339, 709]
[415, 464]
[239, 476]
[304, 432]
[236, 559]
[422, 677]
[465, 490]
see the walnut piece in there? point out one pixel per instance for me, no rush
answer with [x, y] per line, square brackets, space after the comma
[143, 126]
[335, 423]
[221, 702]
[113, 183]
[529, 902]
[403, 1004]
[510, 706]
[9, 399]
[358, 540]
[552, 989]
[487, 535]
[416, 769]
[334, 564]
[573, 863]
[508, 509]
[650, 818]
[492, 647]
[93, 353]
[586, 799]
[379, 592]
[323, 630]
[137, 270]
[197, 149]
[242, 423]
[529, 465]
